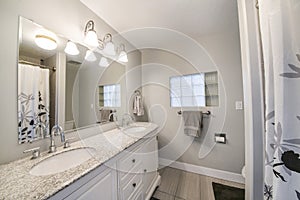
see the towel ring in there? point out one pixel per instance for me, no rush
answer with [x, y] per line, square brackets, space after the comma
[137, 92]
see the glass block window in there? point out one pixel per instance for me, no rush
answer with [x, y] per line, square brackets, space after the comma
[194, 90]
[187, 90]
[110, 95]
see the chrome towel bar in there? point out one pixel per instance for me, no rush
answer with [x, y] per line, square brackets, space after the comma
[204, 113]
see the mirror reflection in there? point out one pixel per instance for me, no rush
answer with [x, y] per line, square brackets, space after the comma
[112, 93]
[59, 82]
[36, 83]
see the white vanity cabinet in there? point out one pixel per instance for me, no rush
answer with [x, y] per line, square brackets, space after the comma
[131, 175]
[101, 187]
[137, 171]
[99, 184]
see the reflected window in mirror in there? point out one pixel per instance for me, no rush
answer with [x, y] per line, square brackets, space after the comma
[110, 96]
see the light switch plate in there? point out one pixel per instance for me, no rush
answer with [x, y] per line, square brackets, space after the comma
[239, 105]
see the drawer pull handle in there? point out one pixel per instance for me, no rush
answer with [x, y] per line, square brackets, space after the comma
[133, 160]
[134, 184]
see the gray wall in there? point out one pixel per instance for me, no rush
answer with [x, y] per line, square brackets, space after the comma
[68, 18]
[71, 73]
[158, 66]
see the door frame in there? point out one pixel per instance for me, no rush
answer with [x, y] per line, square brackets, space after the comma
[251, 55]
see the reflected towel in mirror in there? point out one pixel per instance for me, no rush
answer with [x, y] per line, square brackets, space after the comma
[138, 107]
[104, 115]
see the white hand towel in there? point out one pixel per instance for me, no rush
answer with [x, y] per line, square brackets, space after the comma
[138, 107]
[192, 123]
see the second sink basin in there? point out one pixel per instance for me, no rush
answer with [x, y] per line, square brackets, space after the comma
[134, 129]
[62, 161]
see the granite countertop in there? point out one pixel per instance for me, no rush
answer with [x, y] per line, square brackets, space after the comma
[17, 183]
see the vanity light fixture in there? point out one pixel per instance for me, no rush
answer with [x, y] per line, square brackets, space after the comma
[106, 44]
[45, 42]
[122, 54]
[91, 37]
[71, 48]
[90, 56]
[103, 62]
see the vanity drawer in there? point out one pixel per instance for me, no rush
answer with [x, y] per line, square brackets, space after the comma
[129, 162]
[133, 185]
[125, 177]
[138, 195]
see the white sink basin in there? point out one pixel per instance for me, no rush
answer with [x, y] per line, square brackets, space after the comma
[62, 161]
[134, 129]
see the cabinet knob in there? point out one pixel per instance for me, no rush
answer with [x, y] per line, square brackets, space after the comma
[134, 184]
[145, 170]
[133, 160]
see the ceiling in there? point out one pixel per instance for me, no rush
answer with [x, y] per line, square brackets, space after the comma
[194, 18]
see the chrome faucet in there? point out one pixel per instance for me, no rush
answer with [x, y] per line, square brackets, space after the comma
[56, 130]
[124, 121]
[114, 116]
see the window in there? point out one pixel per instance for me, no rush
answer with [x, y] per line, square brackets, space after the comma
[195, 90]
[109, 95]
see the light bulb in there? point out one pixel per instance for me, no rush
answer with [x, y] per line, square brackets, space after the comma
[91, 38]
[90, 56]
[109, 49]
[71, 48]
[103, 62]
[123, 57]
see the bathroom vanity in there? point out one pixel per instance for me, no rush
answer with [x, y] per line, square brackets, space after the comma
[122, 164]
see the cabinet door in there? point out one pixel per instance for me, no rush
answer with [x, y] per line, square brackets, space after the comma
[139, 195]
[102, 187]
[150, 163]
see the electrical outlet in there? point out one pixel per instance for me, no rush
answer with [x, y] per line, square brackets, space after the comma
[239, 105]
[220, 138]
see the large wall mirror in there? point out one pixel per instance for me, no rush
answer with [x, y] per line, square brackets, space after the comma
[73, 89]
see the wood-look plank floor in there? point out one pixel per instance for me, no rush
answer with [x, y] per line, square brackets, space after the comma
[181, 185]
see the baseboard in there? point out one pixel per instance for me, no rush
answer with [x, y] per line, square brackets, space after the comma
[229, 176]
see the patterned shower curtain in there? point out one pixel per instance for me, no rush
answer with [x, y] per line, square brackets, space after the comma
[280, 31]
[33, 102]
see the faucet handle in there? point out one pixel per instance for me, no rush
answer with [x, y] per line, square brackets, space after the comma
[67, 142]
[35, 152]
